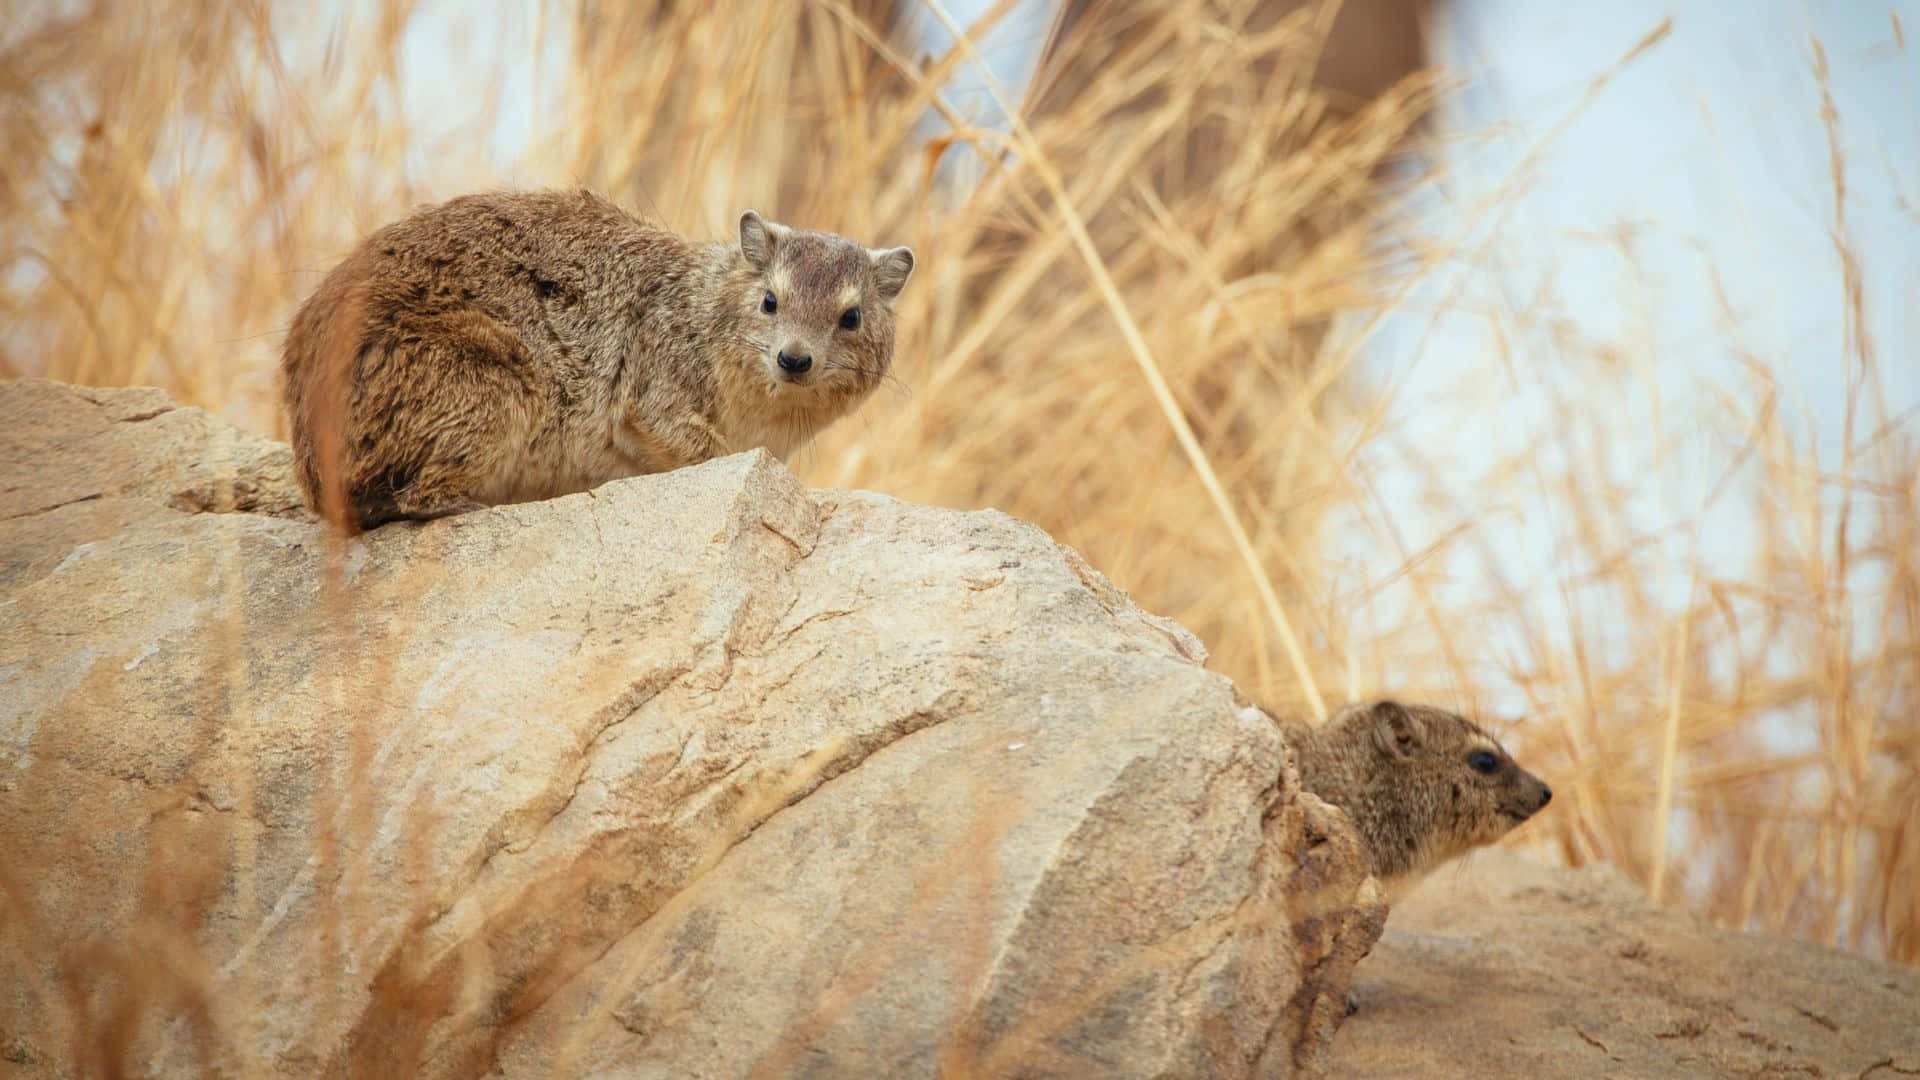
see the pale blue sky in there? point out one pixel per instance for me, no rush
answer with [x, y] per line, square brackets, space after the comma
[1684, 223]
[1710, 150]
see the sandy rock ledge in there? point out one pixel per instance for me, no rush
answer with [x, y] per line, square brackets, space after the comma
[1504, 967]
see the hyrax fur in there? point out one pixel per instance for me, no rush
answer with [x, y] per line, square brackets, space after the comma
[1421, 785]
[513, 346]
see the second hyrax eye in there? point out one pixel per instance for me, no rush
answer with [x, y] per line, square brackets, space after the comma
[768, 304]
[850, 319]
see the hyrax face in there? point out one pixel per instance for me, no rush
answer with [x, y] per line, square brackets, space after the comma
[1452, 785]
[820, 307]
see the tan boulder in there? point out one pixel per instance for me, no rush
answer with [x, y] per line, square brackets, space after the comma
[695, 774]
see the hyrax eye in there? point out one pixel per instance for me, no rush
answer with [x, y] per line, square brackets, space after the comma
[1483, 762]
[768, 304]
[850, 319]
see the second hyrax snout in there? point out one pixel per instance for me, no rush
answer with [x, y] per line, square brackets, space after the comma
[1462, 790]
[1518, 794]
[1421, 785]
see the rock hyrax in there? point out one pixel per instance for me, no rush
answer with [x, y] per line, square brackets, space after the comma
[513, 346]
[1422, 785]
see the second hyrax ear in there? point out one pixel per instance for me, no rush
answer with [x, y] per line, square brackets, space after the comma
[891, 268]
[757, 239]
[1395, 729]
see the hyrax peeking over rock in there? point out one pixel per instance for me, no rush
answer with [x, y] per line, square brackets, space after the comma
[515, 346]
[1421, 785]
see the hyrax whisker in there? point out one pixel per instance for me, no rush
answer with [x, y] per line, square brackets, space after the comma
[521, 345]
[880, 375]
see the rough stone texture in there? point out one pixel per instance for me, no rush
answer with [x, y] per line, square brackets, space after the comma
[695, 774]
[67, 445]
[1505, 967]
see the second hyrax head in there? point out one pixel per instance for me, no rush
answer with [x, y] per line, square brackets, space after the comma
[1434, 785]
[820, 307]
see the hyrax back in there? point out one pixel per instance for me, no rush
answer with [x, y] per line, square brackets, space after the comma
[513, 346]
[1421, 785]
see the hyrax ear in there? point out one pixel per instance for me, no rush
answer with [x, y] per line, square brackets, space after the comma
[1395, 730]
[758, 237]
[891, 268]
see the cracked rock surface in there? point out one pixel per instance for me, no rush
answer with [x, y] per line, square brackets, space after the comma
[1505, 967]
[699, 774]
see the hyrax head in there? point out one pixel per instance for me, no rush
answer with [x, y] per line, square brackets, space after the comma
[821, 306]
[1438, 784]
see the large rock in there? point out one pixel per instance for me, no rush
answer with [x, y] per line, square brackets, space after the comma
[1504, 967]
[695, 774]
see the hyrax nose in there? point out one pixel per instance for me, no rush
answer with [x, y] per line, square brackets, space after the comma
[1546, 795]
[794, 364]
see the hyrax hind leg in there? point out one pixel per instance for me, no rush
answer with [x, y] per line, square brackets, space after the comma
[444, 411]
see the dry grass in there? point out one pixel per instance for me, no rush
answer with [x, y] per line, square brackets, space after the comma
[1124, 331]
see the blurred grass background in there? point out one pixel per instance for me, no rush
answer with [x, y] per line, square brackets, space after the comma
[1140, 319]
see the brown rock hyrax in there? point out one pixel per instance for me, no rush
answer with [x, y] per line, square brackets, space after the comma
[1421, 785]
[514, 346]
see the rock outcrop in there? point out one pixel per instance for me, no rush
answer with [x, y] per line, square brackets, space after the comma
[708, 774]
[695, 774]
